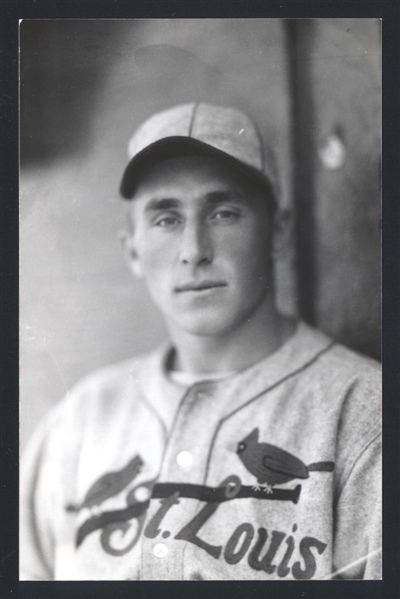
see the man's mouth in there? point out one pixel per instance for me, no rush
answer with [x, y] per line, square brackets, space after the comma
[199, 286]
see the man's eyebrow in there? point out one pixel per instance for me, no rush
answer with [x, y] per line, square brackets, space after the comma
[162, 204]
[212, 198]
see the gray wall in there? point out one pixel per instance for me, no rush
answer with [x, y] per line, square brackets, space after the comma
[86, 85]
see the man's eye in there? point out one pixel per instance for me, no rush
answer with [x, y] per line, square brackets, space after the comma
[225, 215]
[166, 221]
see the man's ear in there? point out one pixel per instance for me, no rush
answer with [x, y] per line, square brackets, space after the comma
[130, 253]
[283, 233]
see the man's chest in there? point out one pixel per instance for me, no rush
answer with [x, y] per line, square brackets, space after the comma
[242, 495]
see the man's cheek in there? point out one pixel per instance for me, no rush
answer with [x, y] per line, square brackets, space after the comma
[153, 263]
[157, 279]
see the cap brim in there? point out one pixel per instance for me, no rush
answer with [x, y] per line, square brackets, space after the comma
[174, 147]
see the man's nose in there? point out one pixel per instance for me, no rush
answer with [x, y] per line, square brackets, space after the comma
[195, 244]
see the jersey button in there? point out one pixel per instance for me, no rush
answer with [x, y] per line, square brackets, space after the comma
[142, 494]
[160, 550]
[184, 459]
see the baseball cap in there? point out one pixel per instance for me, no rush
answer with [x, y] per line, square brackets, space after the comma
[199, 129]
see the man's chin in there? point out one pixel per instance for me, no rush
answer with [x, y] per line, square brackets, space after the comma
[201, 327]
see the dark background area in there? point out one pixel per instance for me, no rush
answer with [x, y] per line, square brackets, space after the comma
[315, 88]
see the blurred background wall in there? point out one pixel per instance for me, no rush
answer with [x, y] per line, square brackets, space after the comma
[315, 88]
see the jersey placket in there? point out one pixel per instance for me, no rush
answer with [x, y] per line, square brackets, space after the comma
[185, 461]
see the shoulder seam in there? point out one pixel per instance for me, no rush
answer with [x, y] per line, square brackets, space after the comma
[358, 458]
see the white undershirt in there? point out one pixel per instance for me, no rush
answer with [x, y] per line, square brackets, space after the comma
[187, 379]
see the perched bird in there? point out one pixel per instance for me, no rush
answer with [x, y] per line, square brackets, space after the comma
[269, 464]
[112, 483]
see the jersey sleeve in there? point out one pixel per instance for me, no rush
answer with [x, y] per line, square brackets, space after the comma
[50, 465]
[358, 534]
[37, 479]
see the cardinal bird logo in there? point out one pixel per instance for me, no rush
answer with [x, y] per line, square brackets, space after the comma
[272, 465]
[111, 484]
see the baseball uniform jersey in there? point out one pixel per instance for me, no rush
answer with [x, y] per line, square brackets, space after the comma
[272, 472]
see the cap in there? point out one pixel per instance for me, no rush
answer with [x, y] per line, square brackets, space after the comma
[199, 129]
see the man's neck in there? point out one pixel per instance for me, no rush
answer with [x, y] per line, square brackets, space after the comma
[254, 340]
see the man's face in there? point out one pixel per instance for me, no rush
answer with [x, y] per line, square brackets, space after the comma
[202, 240]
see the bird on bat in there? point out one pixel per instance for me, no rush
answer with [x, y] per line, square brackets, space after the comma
[272, 465]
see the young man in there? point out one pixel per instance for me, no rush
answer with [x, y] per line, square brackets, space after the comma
[246, 448]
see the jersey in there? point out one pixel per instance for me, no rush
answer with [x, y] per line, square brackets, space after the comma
[270, 473]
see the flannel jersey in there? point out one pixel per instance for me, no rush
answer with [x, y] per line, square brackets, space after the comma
[270, 473]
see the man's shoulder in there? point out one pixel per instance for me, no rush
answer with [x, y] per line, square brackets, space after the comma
[338, 359]
[112, 374]
[93, 401]
[120, 374]
[358, 379]
[351, 382]
[349, 362]
[347, 390]
[110, 386]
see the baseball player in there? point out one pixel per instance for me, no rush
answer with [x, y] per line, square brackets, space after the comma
[248, 446]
